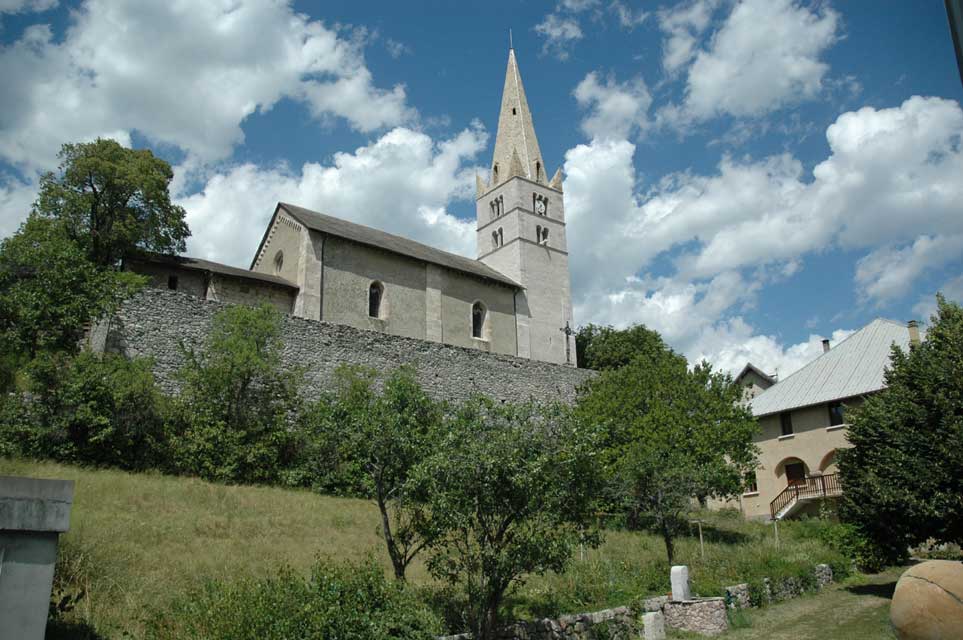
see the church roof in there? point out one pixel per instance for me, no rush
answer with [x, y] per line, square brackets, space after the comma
[852, 368]
[516, 147]
[197, 264]
[390, 242]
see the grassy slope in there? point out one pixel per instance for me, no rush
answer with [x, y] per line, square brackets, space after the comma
[140, 540]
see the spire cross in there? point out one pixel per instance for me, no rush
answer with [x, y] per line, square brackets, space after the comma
[567, 330]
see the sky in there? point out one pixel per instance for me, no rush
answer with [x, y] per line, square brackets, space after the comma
[746, 177]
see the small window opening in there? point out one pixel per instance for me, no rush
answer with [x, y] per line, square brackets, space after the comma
[495, 172]
[751, 484]
[501, 237]
[278, 263]
[513, 111]
[538, 170]
[836, 414]
[375, 294]
[785, 420]
[538, 233]
[477, 320]
[172, 283]
[544, 235]
[494, 239]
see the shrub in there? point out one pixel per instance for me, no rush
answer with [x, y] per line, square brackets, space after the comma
[102, 410]
[337, 602]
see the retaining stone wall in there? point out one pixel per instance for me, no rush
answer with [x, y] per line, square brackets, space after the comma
[705, 616]
[155, 322]
[619, 624]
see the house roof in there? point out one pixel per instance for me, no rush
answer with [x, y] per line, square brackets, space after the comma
[754, 369]
[390, 242]
[197, 264]
[853, 367]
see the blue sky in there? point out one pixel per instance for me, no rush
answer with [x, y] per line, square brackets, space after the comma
[745, 176]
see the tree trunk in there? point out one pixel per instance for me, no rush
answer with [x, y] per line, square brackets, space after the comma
[669, 547]
[488, 625]
[397, 562]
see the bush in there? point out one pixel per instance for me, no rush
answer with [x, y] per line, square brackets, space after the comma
[102, 410]
[337, 602]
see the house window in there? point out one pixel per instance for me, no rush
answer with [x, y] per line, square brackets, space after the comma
[751, 485]
[172, 283]
[478, 317]
[785, 419]
[836, 417]
[375, 294]
[278, 263]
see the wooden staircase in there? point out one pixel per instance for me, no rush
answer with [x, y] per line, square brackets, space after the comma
[803, 491]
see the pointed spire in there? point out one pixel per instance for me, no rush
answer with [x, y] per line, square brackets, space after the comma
[479, 186]
[515, 168]
[516, 131]
[556, 182]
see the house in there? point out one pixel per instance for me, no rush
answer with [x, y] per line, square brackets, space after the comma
[802, 419]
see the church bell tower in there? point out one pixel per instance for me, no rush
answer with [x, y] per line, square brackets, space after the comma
[521, 230]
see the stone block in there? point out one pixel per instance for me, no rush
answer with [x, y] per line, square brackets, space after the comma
[680, 582]
[653, 626]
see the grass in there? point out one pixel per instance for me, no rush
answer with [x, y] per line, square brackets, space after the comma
[138, 541]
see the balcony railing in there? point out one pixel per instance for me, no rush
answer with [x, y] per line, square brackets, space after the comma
[825, 486]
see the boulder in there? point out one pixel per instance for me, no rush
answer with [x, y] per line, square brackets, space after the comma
[928, 602]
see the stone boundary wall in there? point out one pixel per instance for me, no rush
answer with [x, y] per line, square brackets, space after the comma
[619, 624]
[156, 322]
[786, 589]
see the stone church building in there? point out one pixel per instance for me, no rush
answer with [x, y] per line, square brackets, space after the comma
[514, 299]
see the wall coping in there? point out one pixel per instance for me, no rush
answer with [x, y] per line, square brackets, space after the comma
[35, 504]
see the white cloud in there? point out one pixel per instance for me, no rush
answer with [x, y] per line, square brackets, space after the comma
[616, 109]
[683, 25]
[576, 6]
[559, 33]
[888, 272]
[400, 183]
[26, 6]
[892, 175]
[628, 19]
[181, 73]
[766, 55]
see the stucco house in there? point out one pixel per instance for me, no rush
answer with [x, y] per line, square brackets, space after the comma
[802, 419]
[513, 299]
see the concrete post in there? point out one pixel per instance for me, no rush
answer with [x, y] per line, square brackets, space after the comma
[33, 514]
[653, 626]
[680, 583]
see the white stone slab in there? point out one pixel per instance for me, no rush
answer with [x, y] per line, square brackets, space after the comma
[680, 582]
[653, 626]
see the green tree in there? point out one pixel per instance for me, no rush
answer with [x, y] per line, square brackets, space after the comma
[602, 348]
[113, 200]
[671, 435]
[901, 478]
[512, 492]
[50, 292]
[374, 441]
[237, 404]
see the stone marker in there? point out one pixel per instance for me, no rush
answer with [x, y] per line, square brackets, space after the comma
[33, 513]
[653, 626]
[680, 583]
[928, 601]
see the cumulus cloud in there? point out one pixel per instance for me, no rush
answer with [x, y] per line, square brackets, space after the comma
[26, 6]
[682, 26]
[892, 175]
[628, 18]
[191, 87]
[615, 109]
[766, 55]
[952, 289]
[560, 32]
[400, 183]
[888, 272]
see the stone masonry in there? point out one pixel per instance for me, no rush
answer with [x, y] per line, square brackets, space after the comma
[705, 616]
[156, 323]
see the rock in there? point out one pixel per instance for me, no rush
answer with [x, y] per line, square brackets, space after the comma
[928, 601]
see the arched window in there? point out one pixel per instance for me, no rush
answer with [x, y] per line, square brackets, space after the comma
[494, 239]
[544, 235]
[495, 172]
[278, 262]
[376, 293]
[501, 237]
[538, 170]
[478, 317]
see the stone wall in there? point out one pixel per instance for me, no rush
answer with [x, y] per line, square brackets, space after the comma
[705, 616]
[617, 624]
[155, 322]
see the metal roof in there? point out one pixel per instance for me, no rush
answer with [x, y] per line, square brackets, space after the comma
[759, 372]
[853, 367]
[390, 242]
[197, 264]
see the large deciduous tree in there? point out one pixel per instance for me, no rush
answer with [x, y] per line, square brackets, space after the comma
[113, 201]
[901, 478]
[603, 348]
[672, 434]
[512, 492]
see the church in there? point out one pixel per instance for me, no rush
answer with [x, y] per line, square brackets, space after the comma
[513, 299]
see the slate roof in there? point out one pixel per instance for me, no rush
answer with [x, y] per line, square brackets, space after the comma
[851, 368]
[390, 242]
[197, 264]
